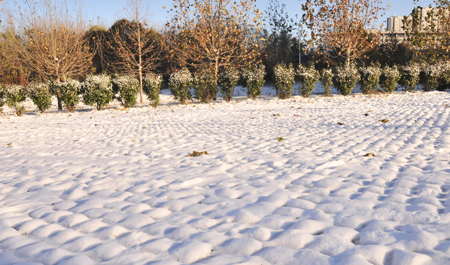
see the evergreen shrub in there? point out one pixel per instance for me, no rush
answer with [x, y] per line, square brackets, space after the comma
[345, 78]
[97, 89]
[308, 77]
[390, 78]
[179, 84]
[284, 80]
[40, 94]
[68, 92]
[126, 89]
[253, 77]
[410, 75]
[370, 78]
[15, 94]
[152, 86]
[228, 80]
[327, 81]
[205, 86]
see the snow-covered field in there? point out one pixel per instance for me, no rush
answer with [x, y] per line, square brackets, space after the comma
[117, 186]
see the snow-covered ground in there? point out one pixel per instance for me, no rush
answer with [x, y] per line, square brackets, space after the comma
[117, 186]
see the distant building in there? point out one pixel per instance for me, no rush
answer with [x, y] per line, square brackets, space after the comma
[395, 24]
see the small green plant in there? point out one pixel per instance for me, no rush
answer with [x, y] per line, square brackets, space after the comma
[126, 89]
[410, 75]
[180, 83]
[228, 80]
[390, 78]
[152, 86]
[40, 94]
[308, 77]
[205, 86]
[15, 94]
[345, 78]
[253, 77]
[97, 89]
[370, 78]
[68, 92]
[327, 81]
[284, 80]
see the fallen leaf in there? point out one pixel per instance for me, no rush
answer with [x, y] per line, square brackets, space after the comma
[296, 115]
[280, 139]
[69, 115]
[366, 114]
[384, 120]
[32, 128]
[294, 100]
[195, 154]
[59, 123]
[144, 128]
[113, 116]
[96, 124]
[193, 106]
[370, 110]
[299, 108]
[9, 144]
[133, 140]
[15, 127]
[292, 107]
[90, 117]
[252, 118]
[237, 101]
[341, 123]
[277, 115]
[369, 155]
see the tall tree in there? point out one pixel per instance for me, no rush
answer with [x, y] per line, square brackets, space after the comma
[428, 31]
[281, 34]
[214, 34]
[135, 48]
[53, 39]
[341, 30]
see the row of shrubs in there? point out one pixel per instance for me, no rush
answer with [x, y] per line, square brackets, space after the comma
[100, 90]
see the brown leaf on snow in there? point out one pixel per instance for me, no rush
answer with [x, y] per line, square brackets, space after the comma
[366, 114]
[277, 115]
[384, 120]
[9, 144]
[195, 154]
[296, 115]
[341, 123]
[369, 155]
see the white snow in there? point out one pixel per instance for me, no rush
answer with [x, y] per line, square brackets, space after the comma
[117, 186]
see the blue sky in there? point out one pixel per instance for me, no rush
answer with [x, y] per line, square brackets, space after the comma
[109, 10]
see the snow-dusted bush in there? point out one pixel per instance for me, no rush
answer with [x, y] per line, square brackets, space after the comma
[410, 76]
[253, 77]
[345, 78]
[327, 81]
[15, 94]
[433, 76]
[370, 78]
[2, 97]
[126, 88]
[228, 80]
[284, 80]
[40, 94]
[390, 78]
[68, 92]
[152, 85]
[308, 77]
[205, 86]
[445, 76]
[97, 89]
[179, 83]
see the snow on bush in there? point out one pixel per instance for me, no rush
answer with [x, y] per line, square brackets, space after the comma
[15, 94]
[433, 76]
[152, 86]
[97, 89]
[345, 78]
[228, 80]
[126, 88]
[284, 80]
[68, 92]
[40, 94]
[253, 77]
[327, 81]
[308, 77]
[370, 78]
[179, 83]
[205, 86]
[390, 78]
[410, 76]
[2, 97]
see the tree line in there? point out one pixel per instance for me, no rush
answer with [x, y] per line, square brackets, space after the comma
[51, 40]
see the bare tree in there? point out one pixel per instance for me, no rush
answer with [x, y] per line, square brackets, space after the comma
[214, 33]
[53, 39]
[135, 48]
[341, 30]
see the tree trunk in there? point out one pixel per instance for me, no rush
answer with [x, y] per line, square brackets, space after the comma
[58, 96]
